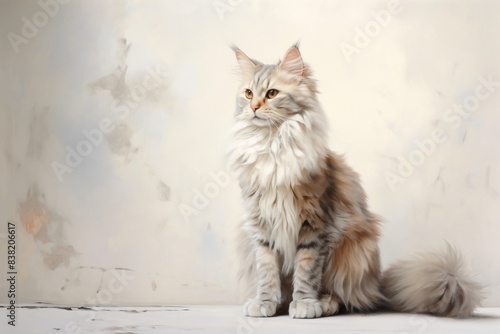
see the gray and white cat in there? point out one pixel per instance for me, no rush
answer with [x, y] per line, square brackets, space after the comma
[308, 242]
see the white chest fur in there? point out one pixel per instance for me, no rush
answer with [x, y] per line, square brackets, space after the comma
[269, 165]
[278, 208]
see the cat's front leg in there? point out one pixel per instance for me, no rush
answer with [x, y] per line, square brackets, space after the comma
[268, 282]
[307, 275]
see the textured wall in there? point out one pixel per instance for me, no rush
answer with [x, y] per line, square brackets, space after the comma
[114, 121]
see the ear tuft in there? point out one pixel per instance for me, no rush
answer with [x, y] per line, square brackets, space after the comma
[292, 62]
[247, 65]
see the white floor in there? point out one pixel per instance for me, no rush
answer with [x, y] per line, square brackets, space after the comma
[228, 319]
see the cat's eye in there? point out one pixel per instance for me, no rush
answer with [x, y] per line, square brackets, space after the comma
[248, 94]
[271, 94]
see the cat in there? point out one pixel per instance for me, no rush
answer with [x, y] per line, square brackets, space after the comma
[308, 242]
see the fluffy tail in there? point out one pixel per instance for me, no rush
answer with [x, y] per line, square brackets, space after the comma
[434, 283]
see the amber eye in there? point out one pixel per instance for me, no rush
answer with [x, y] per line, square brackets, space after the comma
[248, 94]
[271, 94]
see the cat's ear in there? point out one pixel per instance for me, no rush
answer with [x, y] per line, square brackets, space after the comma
[247, 65]
[292, 62]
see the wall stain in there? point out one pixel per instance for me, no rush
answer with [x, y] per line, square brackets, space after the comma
[34, 216]
[120, 142]
[60, 254]
[114, 83]
[162, 187]
[164, 191]
[47, 229]
[126, 98]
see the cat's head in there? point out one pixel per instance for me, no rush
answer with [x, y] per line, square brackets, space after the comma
[272, 94]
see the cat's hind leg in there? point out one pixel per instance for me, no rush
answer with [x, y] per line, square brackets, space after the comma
[329, 305]
[352, 269]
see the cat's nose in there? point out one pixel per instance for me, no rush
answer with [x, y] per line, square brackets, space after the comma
[255, 106]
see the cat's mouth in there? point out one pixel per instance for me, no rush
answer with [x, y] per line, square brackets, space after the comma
[259, 119]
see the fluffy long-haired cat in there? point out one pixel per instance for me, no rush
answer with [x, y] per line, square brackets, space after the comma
[308, 241]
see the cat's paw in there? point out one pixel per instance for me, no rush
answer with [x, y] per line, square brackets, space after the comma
[259, 308]
[305, 308]
[329, 305]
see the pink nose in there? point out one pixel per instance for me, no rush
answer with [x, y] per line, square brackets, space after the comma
[255, 107]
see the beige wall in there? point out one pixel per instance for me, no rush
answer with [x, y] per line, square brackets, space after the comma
[151, 83]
